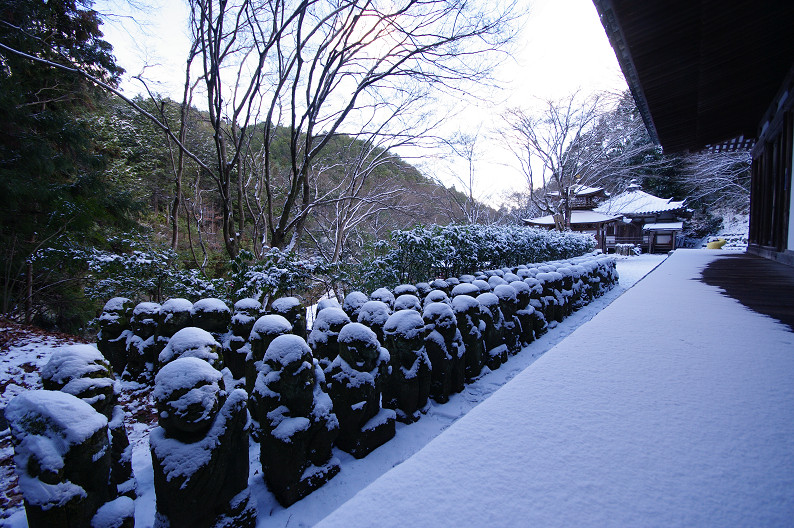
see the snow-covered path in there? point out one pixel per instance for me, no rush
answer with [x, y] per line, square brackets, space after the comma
[355, 474]
[672, 406]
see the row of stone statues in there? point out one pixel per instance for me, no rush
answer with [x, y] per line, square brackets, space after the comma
[366, 363]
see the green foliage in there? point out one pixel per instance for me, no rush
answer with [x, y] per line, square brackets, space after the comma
[424, 253]
[52, 186]
[276, 274]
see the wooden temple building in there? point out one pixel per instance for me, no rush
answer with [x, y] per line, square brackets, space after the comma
[718, 75]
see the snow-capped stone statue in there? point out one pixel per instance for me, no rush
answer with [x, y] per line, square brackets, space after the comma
[444, 346]
[407, 302]
[192, 342]
[552, 297]
[383, 295]
[114, 330]
[465, 288]
[200, 449]
[63, 460]
[355, 382]
[246, 312]
[329, 302]
[323, 337]
[422, 289]
[491, 313]
[297, 419]
[291, 309]
[539, 322]
[174, 316]
[405, 289]
[213, 316]
[374, 314]
[471, 326]
[524, 312]
[436, 296]
[140, 345]
[265, 330]
[482, 285]
[508, 302]
[353, 303]
[409, 385]
[80, 370]
[440, 284]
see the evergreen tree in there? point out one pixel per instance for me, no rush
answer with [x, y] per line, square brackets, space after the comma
[52, 189]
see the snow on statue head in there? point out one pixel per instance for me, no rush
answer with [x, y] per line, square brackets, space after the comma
[407, 301]
[63, 459]
[81, 371]
[298, 425]
[383, 295]
[374, 314]
[188, 392]
[192, 342]
[359, 347]
[353, 303]
[409, 383]
[291, 309]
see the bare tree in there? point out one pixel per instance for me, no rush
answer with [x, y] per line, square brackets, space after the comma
[718, 178]
[308, 70]
[466, 146]
[578, 142]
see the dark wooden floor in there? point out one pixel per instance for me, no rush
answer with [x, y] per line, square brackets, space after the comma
[762, 285]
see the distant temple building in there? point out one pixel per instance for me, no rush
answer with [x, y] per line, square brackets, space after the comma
[632, 217]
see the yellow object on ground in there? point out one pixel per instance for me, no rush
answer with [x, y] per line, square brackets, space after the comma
[717, 244]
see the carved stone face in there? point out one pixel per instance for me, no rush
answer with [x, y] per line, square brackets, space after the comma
[296, 384]
[188, 394]
[359, 347]
[116, 315]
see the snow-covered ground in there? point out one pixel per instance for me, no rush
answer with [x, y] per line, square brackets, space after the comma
[19, 367]
[672, 407]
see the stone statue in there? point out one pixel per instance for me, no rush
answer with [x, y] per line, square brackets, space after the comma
[468, 313]
[508, 302]
[200, 449]
[444, 346]
[353, 303]
[174, 316]
[63, 460]
[323, 337]
[246, 312]
[265, 330]
[80, 370]
[192, 342]
[495, 348]
[297, 420]
[374, 314]
[355, 382]
[291, 309]
[141, 345]
[409, 384]
[114, 330]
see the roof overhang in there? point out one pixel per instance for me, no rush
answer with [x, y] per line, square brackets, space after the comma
[703, 72]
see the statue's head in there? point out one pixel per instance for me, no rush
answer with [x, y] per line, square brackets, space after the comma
[188, 392]
[290, 372]
[359, 347]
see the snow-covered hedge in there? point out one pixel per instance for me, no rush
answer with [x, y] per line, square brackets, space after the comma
[423, 253]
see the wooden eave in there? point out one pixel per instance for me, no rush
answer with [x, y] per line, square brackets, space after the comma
[703, 72]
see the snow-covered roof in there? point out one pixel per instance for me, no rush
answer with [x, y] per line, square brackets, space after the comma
[579, 190]
[664, 226]
[577, 217]
[635, 201]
